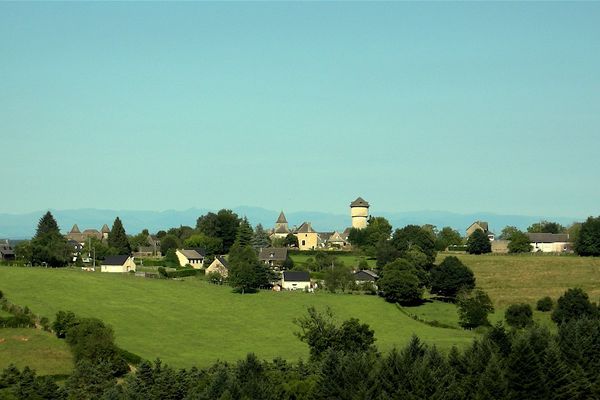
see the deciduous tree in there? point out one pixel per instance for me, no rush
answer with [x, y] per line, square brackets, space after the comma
[478, 243]
[588, 238]
[450, 277]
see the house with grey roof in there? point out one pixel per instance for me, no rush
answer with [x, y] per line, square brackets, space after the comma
[549, 242]
[295, 280]
[193, 257]
[281, 229]
[480, 225]
[121, 263]
[219, 265]
[6, 251]
[274, 257]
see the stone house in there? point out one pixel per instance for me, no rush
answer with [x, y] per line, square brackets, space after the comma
[194, 257]
[219, 265]
[120, 263]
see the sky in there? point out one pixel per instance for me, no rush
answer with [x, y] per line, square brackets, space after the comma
[460, 107]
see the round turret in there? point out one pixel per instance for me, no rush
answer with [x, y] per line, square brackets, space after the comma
[359, 211]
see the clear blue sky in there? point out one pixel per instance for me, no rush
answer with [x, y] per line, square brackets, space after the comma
[460, 107]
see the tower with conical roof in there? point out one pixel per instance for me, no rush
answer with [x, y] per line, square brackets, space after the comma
[75, 229]
[359, 211]
[281, 225]
[105, 231]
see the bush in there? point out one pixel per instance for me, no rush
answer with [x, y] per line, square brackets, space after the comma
[473, 308]
[519, 315]
[545, 304]
[450, 277]
[574, 304]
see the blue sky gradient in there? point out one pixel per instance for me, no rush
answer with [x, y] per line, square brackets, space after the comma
[462, 107]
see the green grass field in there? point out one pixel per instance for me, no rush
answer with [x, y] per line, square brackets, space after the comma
[527, 278]
[37, 349]
[191, 322]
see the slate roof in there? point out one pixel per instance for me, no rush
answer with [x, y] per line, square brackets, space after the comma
[273, 253]
[115, 260]
[548, 237]
[192, 254]
[6, 250]
[365, 274]
[281, 219]
[306, 228]
[282, 229]
[75, 229]
[359, 202]
[223, 261]
[482, 224]
[105, 229]
[296, 276]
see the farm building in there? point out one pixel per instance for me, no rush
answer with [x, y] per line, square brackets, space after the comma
[121, 263]
[295, 280]
[193, 257]
[549, 242]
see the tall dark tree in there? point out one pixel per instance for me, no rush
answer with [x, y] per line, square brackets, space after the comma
[244, 233]
[260, 238]
[48, 245]
[574, 304]
[401, 286]
[412, 235]
[169, 242]
[290, 240]
[524, 373]
[519, 315]
[246, 273]
[588, 238]
[222, 225]
[450, 277]
[117, 238]
[479, 243]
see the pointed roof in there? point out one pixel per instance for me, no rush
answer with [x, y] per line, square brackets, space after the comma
[306, 228]
[105, 229]
[281, 219]
[359, 202]
[75, 229]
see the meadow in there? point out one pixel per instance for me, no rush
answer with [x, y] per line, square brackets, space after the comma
[192, 322]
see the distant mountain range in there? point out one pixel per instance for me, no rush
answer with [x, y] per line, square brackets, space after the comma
[22, 226]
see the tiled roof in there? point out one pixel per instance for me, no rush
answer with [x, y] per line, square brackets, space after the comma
[359, 202]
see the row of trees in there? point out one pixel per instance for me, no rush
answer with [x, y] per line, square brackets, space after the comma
[344, 363]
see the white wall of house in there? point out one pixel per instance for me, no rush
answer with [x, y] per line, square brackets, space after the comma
[294, 285]
[128, 266]
[556, 247]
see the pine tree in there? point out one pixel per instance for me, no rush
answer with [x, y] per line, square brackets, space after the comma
[244, 233]
[492, 382]
[524, 373]
[260, 238]
[558, 379]
[117, 238]
[46, 226]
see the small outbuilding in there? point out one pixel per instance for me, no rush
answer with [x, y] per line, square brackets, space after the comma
[295, 280]
[193, 257]
[121, 263]
[365, 275]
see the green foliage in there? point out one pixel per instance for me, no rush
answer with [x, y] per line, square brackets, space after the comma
[139, 240]
[171, 259]
[450, 277]
[212, 246]
[479, 243]
[507, 232]
[588, 238]
[48, 246]
[546, 227]
[215, 278]
[64, 321]
[244, 233]
[573, 304]
[95, 247]
[223, 225]
[169, 242]
[378, 229]
[246, 273]
[519, 315]
[473, 308]
[78, 261]
[290, 240]
[412, 235]
[519, 243]
[117, 238]
[338, 277]
[401, 286]
[322, 333]
[260, 238]
[544, 304]
[524, 373]
[447, 237]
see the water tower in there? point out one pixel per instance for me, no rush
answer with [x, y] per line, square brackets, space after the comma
[359, 210]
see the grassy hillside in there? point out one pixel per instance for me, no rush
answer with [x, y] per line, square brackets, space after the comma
[194, 323]
[528, 277]
[37, 349]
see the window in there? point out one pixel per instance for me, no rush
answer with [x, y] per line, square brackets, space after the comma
[303, 243]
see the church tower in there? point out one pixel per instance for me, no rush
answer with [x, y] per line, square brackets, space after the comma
[359, 210]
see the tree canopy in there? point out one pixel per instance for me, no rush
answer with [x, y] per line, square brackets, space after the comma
[223, 225]
[545, 227]
[519, 243]
[246, 273]
[573, 304]
[450, 277]
[117, 238]
[588, 238]
[479, 243]
[48, 245]
[413, 235]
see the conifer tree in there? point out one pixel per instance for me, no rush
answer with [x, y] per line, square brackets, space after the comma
[244, 233]
[47, 225]
[524, 373]
[48, 246]
[260, 238]
[492, 382]
[117, 238]
[558, 379]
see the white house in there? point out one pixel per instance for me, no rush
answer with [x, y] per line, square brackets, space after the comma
[122, 263]
[193, 257]
[295, 280]
[549, 242]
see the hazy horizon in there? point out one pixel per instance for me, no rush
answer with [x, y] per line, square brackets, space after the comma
[457, 107]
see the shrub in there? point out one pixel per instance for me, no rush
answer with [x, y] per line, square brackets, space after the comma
[545, 304]
[450, 277]
[519, 315]
[574, 304]
[473, 308]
